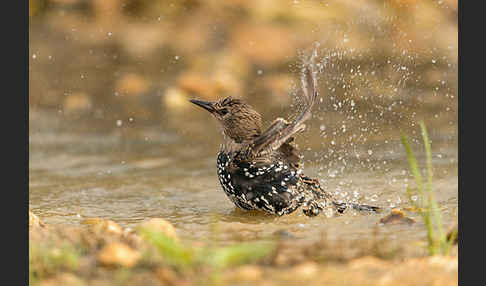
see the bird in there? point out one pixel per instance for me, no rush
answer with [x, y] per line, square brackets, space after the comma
[262, 170]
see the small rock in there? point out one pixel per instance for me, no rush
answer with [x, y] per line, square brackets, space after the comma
[104, 226]
[117, 253]
[160, 225]
[396, 216]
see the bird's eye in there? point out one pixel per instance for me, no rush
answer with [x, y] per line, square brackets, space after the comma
[223, 111]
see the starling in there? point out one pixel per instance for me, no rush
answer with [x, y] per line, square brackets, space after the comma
[262, 170]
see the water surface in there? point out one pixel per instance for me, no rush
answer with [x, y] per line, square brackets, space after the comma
[130, 173]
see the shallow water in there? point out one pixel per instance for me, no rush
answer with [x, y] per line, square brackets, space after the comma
[132, 173]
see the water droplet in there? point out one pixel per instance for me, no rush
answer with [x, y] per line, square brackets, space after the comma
[119, 123]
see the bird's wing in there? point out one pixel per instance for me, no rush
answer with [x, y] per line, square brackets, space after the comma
[280, 131]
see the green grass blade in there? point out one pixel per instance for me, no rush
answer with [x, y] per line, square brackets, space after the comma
[173, 252]
[434, 208]
[420, 188]
[413, 165]
[237, 254]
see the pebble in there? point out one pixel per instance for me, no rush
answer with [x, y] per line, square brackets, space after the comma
[160, 225]
[117, 253]
[396, 216]
[104, 226]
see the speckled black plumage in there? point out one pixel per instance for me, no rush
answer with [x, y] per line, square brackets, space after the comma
[262, 170]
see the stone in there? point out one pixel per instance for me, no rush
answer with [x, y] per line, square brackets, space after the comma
[104, 226]
[159, 225]
[117, 253]
[396, 216]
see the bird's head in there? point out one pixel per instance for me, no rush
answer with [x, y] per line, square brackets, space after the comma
[239, 120]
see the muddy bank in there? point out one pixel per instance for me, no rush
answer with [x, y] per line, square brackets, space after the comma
[100, 252]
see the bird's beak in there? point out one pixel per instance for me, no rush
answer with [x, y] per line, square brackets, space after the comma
[209, 106]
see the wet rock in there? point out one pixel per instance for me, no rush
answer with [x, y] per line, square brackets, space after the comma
[117, 253]
[160, 225]
[396, 216]
[104, 226]
[78, 102]
[34, 221]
